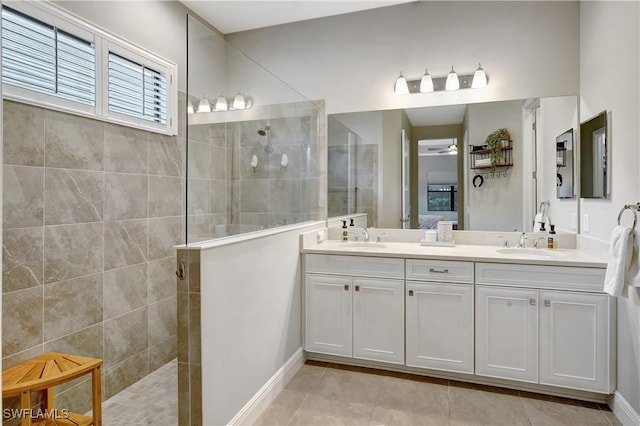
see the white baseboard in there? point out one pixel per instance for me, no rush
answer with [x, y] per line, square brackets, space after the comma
[267, 393]
[623, 410]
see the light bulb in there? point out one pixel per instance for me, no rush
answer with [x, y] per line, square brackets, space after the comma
[479, 78]
[221, 103]
[401, 87]
[190, 109]
[204, 106]
[426, 84]
[239, 102]
[453, 83]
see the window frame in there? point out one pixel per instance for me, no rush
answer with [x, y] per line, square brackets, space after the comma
[103, 41]
[452, 194]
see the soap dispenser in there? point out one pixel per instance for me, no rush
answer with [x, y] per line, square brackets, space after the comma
[552, 242]
[345, 233]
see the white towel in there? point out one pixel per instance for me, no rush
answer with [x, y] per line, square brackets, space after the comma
[634, 268]
[620, 253]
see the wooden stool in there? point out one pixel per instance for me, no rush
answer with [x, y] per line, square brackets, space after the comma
[43, 373]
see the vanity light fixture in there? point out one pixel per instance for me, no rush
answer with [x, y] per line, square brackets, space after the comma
[239, 101]
[401, 87]
[190, 109]
[426, 83]
[479, 78]
[453, 82]
[203, 105]
[450, 82]
[221, 103]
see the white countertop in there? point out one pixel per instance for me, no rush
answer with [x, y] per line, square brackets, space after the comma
[474, 253]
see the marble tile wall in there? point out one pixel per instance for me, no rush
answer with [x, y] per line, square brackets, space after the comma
[92, 212]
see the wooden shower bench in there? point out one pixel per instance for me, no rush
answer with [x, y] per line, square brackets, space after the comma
[44, 372]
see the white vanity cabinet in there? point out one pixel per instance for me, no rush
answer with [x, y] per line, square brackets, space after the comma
[556, 334]
[439, 319]
[355, 316]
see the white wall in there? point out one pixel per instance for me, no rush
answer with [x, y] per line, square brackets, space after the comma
[609, 79]
[251, 318]
[497, 204]
[557, 115]
[352, 60]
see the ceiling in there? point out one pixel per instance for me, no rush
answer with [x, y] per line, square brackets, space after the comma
[436, 116]
[230, 16]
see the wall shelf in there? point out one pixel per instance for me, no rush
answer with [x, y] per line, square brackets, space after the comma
[480, 160]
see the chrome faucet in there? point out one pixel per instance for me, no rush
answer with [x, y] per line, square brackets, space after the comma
[522, 243]
[505, 243]
[366, 234]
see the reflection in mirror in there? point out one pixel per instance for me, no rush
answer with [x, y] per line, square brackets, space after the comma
[593, 157]
[564, 164]
[441, 181]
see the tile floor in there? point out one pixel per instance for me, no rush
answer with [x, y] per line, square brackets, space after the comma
[329, 394]
[150, 401]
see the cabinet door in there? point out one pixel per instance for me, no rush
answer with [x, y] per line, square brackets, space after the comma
[440, 326]
[507, 333]
[378, 320]
[574, 339]
[328, 314]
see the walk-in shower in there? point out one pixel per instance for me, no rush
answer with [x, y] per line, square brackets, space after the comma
[266, 131]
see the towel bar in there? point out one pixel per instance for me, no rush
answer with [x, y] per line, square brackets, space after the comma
[634, 208]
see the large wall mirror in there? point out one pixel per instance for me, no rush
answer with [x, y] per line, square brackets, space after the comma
[365, 170]
[594, 148]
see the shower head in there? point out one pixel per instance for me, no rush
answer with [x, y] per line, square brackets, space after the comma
[265, 131]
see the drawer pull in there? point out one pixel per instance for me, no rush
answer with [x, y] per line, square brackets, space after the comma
[346, 287]
[532, 302]
[357, 288]
[547, 303]
[410, 292]
[439, 271]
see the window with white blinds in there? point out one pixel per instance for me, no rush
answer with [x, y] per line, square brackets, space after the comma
[137, 90]
[40, 57]
[57, 60]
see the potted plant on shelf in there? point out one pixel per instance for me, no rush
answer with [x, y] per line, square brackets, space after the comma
[495, 143]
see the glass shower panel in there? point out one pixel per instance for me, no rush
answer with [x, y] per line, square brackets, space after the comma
[254, 145]
[342, 191]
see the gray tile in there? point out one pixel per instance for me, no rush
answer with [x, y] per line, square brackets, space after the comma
[162, 320]
[86, 342]
[182, 326]
[293, 168]
[125, 149]
[23, 134]
[124, 336]
[306, 378]
[165, 155]
[282, 409]
[198, 196]
[284, 195]
[72, 251]
[17, 358]
[217, 196]
[165, 196]
[199, 165]
[194, 271]
[73, 142]
[23, 197]
[73, 196]
[126, 373]
[195, 377]
[247, 172]
[182, 256]
[72, 305]
[254, 196]
[195, 337]
[219, 163]
[391, 416]
[125, 243]
[348, 386]
[125, 289]
[549, 410]
[164, 234]
[199, 228]
[316, 410]
[76, 399]
[126, 196]
[22, 258]
[426, 399]
[162, 279]
[21, 328]
[260, 220]
[184, 396]
[162, 353]
[471, 404]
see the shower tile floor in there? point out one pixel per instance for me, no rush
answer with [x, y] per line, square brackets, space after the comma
[150, 401]
[330, 394]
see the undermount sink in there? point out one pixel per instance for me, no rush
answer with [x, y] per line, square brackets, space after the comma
[528, 252]
[363, 244]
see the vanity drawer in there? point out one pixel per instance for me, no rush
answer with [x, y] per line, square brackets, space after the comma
[539, 276]
[439, 270]
[381, 267]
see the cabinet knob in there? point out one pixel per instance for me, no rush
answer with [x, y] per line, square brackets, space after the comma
[346, 287]
[357, 288]
[438, 271]
[547, 303]
[410, 292]
[532, 302]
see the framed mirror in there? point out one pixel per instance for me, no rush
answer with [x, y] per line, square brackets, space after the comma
[564, 164]
[594, 158]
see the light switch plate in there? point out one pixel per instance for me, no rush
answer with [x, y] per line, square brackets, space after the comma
[585, 223]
